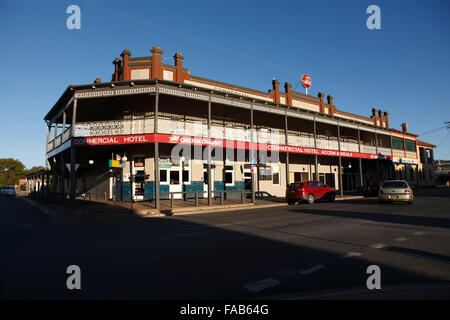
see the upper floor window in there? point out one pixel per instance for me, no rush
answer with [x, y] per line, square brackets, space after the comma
[397, 143]
[410, 145]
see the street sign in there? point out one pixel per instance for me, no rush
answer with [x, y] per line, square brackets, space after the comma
[253, 161]
[306, 82]
[76, 166]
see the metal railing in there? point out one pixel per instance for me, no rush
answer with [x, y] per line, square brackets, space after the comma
[221, 197]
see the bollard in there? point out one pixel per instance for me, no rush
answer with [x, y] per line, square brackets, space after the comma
[171, 200]
[196, 198]
[242, 196]
[221, 196]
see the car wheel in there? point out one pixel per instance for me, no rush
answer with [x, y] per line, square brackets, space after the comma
[332, 197]
[311, 198]
[290, 202]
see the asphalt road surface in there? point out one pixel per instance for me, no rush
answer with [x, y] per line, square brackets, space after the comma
[274, 252]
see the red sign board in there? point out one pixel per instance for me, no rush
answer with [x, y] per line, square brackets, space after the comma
[306, 81]
[167, 138]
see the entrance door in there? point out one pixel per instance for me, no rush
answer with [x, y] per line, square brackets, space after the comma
[175, 183]
[349, 181]
[171, 177]
[205, 180]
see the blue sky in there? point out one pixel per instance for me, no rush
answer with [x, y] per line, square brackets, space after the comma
[402, 68]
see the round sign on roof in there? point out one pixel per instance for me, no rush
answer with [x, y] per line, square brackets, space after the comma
[306, 81]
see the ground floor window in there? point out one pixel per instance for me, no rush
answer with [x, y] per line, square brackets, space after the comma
[229, 175]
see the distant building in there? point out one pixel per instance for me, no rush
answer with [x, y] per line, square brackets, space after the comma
[443, 172]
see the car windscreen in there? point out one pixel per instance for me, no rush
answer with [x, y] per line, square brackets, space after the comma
[395, 184]
[296, 185]
[8, 188]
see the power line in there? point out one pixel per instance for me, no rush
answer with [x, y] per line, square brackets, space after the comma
[434, 130]
[448, 134]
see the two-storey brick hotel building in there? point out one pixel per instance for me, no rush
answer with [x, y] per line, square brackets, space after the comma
[174, 132]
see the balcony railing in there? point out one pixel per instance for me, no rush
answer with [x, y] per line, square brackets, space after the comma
[199, 128]
[113, 128]
[349, 146]
[385, 151]
[322, 143]
[368, 149]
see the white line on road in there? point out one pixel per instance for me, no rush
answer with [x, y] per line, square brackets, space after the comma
[311, 270]
[352, 254]
[420, 233]
[262, 284]
[400, 239]
[378, 246]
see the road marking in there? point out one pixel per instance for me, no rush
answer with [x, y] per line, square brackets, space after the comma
[24, 225]
[262, 284]
[420, 233]
[400, 239]
[352, 254]
[378, 246]
[311, 270]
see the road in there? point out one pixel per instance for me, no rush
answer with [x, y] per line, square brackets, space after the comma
[272, 252]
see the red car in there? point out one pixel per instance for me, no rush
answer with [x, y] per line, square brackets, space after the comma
[309, 191]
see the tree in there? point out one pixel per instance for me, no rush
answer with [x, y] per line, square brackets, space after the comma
[34, 169]
[11, 171]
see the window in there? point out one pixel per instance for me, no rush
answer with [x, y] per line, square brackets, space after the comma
[397, 143]
[265, 173]
[296, 185]
[175, 177]
[276, 178]
[229, 175]
[163, 175]
[139, 161]
[395, 184]
[410, 145]
[185, 175]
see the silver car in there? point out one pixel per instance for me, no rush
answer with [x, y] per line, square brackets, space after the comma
[395, 190]
[8, 191]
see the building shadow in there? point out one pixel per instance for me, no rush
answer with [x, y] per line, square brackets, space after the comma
[380, 217]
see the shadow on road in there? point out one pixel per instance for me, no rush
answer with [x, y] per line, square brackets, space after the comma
[379, 217]
[129, 257]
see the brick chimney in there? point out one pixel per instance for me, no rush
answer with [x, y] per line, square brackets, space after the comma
[386, 119]
[321, 107]
[374, 116]
[117, 63]
[330, 102]
[156, 63]
[287, 89]
[276, 90]
[126, 54]
[178, 57]
[404, 127]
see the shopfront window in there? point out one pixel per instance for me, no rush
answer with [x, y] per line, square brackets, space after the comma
[265, 173]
